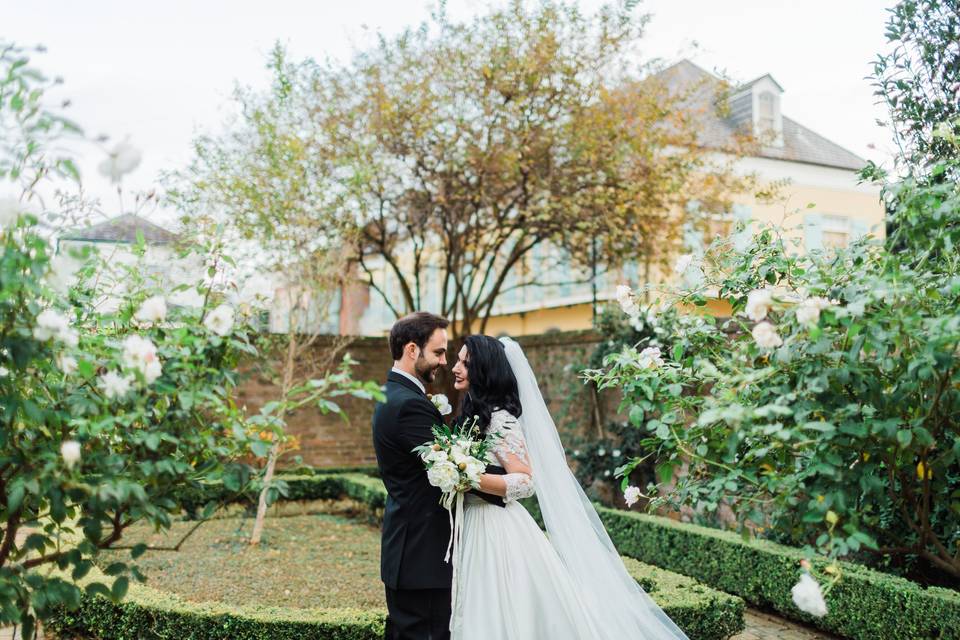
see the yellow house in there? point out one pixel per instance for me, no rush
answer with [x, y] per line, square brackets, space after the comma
[819, 200]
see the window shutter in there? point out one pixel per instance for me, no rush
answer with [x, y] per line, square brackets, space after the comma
[741, 214]
[813, 232]
[858, 229]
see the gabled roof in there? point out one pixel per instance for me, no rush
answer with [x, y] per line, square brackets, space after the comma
[744, 87]
[800, 144]
[123, 229]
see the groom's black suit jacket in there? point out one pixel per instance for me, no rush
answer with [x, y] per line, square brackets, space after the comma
[416, 529]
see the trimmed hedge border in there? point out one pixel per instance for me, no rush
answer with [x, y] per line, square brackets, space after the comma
[863, 604]
[146, 613]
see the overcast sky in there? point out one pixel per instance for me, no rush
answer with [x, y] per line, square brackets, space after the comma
[161, 71]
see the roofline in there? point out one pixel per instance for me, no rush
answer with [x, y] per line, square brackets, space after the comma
[747, 85]
[857, 156]
[809, 162]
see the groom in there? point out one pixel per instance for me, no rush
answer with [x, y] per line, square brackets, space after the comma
[416, 528]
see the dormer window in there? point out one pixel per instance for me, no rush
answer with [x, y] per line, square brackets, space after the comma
[766, 105]
[756, 109]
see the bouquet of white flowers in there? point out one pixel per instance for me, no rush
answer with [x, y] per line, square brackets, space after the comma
[455, 459]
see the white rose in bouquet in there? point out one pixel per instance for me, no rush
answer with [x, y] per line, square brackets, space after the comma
[474, 470]
[435, 455]
[444, 475]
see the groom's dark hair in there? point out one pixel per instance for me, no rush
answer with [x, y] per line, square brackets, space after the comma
[416, 328]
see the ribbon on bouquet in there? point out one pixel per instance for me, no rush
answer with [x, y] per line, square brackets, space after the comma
[454, 502]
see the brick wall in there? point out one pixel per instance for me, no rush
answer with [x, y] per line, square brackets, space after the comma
[329, 441]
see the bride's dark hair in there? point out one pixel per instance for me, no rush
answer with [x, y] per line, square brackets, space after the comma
[492, 383]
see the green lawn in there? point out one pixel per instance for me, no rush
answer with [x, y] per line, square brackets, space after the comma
[319, 560]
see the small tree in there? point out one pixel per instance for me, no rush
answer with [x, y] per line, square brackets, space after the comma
[267, 185]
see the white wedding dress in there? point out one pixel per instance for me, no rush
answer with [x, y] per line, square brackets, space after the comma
[512, 581]
[512, 585]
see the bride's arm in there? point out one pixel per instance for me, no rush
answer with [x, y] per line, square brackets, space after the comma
[518, 482]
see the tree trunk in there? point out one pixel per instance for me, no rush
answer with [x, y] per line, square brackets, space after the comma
[288, 370]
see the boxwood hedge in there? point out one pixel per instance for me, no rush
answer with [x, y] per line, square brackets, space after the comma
[863, 604]
[146, 613]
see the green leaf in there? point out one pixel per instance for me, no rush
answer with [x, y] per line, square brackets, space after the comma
[904, 437]
[120, 587]
[665, 473]
[259, 448]
[97, 588]
[15, 496]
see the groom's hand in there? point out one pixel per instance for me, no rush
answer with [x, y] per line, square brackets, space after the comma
[489, 497]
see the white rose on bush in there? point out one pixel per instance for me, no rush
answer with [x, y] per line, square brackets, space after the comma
[67, 364]
[70, 451]
[4, 372]
[152, 310]
[140, 354]
[63, 272]
[627, 301]
[650, 358]
[758, 304]
[220, 320]
[683, 263]
[444, 475]
[122, 159]
[631, 495]
[10, 210]
[808, 311]
[766, 336]
[114, 385]
[808, 597]
[53, 324]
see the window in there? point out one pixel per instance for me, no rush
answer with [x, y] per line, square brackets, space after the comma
[766, 111]
[836, 232]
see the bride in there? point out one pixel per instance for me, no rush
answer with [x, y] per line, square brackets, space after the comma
[512, 582]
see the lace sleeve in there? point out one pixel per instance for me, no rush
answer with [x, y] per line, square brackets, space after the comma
[511, 445]
[519, 485]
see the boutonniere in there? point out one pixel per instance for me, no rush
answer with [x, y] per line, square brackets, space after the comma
[442, 404]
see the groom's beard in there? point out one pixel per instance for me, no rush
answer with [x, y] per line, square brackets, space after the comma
[425, 372]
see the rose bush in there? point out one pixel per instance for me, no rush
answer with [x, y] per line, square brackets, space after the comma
[826, 410]
[112, 402]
